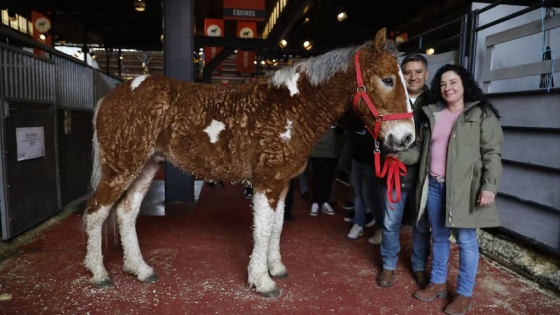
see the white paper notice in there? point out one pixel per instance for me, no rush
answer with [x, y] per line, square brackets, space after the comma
[30, 143]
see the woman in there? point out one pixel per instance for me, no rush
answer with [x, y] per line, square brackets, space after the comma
[459, 149]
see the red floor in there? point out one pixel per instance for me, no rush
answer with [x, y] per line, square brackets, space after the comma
[202, 263]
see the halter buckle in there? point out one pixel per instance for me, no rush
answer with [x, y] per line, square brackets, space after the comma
[361, 89]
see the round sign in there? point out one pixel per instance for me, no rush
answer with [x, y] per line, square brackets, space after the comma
[42, 25]
[246, 33]
[214, 30]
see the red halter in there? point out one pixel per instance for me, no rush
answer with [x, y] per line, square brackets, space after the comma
[392, 167]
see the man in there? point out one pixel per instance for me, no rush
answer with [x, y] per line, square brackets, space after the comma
[415, 71]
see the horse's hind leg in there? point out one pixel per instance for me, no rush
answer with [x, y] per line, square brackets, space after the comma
[127, 212]
[275, 265]
[263, 222]
[98, 208]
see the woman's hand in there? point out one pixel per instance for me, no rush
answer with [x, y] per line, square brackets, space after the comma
[486, 198]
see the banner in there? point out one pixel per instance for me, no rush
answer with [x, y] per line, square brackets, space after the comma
[41, 26]
[244, 10]
[246, 59]
[214, 28]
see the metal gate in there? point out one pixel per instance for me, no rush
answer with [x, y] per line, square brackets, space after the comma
[47, 167]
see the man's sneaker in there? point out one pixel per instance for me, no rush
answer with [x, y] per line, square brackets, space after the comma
[355, 232]
[376, 238]
[314, 209]
[370, 220]
[349, 205]
[248, 192]
[349, 217]
[327, 209]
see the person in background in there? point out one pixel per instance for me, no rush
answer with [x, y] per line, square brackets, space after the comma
[415, 71]
[459, 150]
[323, 161]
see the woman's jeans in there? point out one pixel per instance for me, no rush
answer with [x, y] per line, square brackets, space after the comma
[366, 192]
[466, 240]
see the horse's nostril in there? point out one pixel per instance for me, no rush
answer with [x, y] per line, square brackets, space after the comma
[407, 139]
[391, 139]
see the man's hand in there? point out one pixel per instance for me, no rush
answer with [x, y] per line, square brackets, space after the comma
[393, 155]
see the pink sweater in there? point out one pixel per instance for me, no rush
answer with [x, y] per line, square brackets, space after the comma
[440, 141]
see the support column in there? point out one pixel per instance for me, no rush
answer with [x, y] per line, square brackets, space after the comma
[178, 64]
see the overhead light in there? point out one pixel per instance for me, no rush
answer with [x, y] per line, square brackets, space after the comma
[341, 16]
[307, 45]
[283, 43]
[305, 20]
[140, 5]
[430, 51]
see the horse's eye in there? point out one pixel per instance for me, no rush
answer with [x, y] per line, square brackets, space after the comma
[388, 82]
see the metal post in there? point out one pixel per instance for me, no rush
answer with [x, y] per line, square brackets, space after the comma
[473, 41]
[463, 40]
[178, 64]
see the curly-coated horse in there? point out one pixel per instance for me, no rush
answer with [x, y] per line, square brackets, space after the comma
[261, 132]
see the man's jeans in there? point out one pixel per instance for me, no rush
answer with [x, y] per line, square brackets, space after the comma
[390, 244]
[466, 240]
[366, 190]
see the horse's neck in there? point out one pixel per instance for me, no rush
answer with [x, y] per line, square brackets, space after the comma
[330, 101]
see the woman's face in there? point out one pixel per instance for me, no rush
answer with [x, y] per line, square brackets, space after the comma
[451, 88]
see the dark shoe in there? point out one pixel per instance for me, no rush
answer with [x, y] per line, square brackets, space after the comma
[385, 278]
[248, 193]
[349, 205]
[349, 217]
[370, 220]
[460, 305]
[432, 291]
[421, 278]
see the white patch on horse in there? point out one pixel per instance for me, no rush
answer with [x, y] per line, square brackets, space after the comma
[288, 134]
[94, 257]
[275, 265]
[401, 128]
[263, 224]
[408, 105]
[291, 83]
[214, 129]
[288, 77]
[137, 81]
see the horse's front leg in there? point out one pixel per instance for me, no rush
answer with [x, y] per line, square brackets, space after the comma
[263, 216]
[275, 265]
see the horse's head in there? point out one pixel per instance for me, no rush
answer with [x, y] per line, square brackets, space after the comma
[389, 114]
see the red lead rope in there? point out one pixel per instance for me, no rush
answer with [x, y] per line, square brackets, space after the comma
[392, 167]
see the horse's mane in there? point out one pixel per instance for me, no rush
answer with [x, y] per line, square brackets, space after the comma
[321, 68]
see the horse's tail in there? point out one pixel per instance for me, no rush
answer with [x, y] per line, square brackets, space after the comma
[96, 171]
[110, 225]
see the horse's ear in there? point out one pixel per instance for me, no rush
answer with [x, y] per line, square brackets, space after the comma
[380, 40]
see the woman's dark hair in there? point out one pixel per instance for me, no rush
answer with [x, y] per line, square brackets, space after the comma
[472, 91]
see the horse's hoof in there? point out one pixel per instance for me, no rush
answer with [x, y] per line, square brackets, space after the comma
[151, 278]
[271, 294]
[282, 275]
[103, 284]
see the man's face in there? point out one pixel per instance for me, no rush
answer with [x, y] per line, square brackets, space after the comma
[415, 75]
